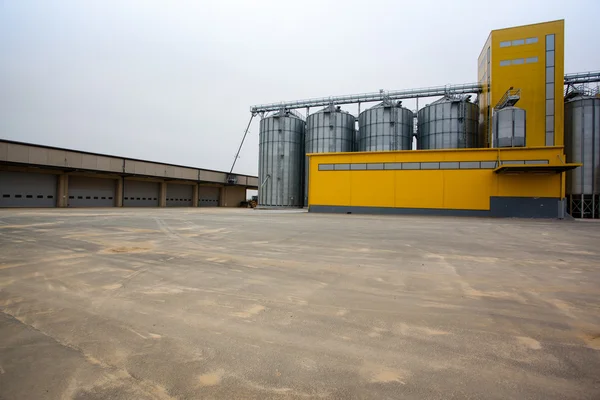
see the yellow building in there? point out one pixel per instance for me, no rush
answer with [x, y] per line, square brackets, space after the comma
[508, 182]
[529, 58]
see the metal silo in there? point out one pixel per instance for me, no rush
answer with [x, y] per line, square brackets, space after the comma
[582, 145]
[448, 123]
[330, 130]
[387, 126]
[281, 160]
[509, 127]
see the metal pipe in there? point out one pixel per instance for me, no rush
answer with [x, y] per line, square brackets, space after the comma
[241, 144]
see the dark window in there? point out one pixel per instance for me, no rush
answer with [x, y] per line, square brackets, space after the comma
[40, 196]
[50, 197]
[138, 198]
[110, 198]
[143, 198]
[18, 196]
[103, 198]
[71, 197]
[80, 197]
[6, 195]
[88, 197]
[96, 198]
[29, 196]
[155, 198]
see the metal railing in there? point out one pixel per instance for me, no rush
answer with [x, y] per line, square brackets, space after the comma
[369, 97]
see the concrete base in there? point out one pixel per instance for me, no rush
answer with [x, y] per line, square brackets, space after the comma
[503, 207]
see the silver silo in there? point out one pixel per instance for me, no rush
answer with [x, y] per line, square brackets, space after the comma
[329, 130]
[386, 126]
[582, 145]
[448, 123]
[281, 160]
[509, 127]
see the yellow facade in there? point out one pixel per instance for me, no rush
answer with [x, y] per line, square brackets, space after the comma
[448, 187]
[526, 58]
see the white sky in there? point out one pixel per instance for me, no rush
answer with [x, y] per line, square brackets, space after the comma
[173, 81]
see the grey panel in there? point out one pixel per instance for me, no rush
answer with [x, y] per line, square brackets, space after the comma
[503, 207]
[430, 165]
[325, 167]
[409, 165]
[360, 167]
[469, 165]
[91, 192]
[140, 193]
[534, 162]
[489, 164]
[525, 207]
[512, 162]
[375, 166]
[208, 196]
[179, 195]
[341, 167]
[27, 189]
[393, 166]
[449, 165]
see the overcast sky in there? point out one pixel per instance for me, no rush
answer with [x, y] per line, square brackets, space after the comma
[173, 81]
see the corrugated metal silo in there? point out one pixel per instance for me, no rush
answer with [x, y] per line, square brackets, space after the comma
[329, 130]
[582, 145]
[387, 126]
[509, 127]
[448, 123]
[281, 160]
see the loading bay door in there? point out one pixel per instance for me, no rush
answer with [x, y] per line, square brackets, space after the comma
[91, 192]
[208, 196]
[179, 195]
[140, 193]
[27, 189]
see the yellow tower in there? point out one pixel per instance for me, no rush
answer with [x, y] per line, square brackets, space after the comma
[529, 58]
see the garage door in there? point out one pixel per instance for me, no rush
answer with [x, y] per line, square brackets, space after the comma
[27, 189]
[91, 192]
[140, 193]
[179, 195]
[208, 196]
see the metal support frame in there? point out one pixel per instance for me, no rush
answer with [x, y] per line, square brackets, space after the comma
[465, 88]
[240, 148]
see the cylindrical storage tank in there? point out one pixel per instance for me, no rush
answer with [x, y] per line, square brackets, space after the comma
[387, 126]
[281, 161]
[582, 145]
[330, 130]
[448, 123]
[509, 127]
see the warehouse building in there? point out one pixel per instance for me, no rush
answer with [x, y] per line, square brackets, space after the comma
[42, 176]
[509, 153]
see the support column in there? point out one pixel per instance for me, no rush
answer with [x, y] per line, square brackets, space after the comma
[222, 196]
[162, 200]
[195, 195]
[62, 194]
[119, 193]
